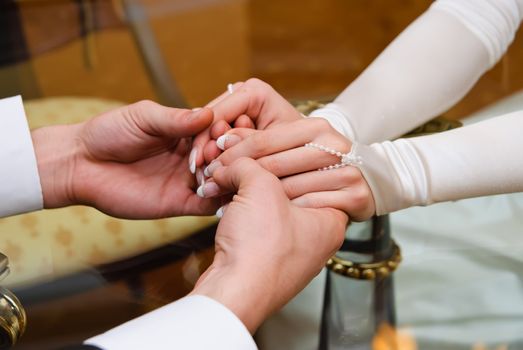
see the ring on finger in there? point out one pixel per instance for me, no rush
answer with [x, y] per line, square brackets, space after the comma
[230, 89]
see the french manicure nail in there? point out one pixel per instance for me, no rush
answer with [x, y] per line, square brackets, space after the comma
[192, 160]
[221, 142]
[231, 140]
[200, 178]
[220, 211]
[208, 190]
[199, 192]
[215, 164]
[196, 109]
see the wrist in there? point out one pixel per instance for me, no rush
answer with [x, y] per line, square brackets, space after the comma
[338, 119]
[238, 290]
[56, 149]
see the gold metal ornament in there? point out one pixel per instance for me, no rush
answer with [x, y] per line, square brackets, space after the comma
[13, 319]
[366, 271]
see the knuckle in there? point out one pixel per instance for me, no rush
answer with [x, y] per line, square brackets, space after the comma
[311, 202]
[360, 197]
[257, 83]
[259, 144]
[340, 144]
[320, 124]
[260, 87]
[349, 175]
[291, 188]
[145, 104]
[243, 162]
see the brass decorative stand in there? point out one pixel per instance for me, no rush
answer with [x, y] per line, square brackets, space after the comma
[359, 293]
[12, 315]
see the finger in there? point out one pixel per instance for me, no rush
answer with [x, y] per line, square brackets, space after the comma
[201, 139]
[233, 137]
[267, 142]
[333, 224]
[157, 120]
[297, 160]
[256, 99]
[210, 189]
[224, 95]
[303, 163]
[219, 128]
[354, 203]
[244, 121]
[211, 151]
[195, 205]
[320, 181]
[246, 173]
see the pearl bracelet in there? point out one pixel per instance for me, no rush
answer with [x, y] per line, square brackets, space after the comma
[346, 158]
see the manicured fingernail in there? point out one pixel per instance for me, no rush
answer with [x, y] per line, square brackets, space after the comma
[200, 192]
[200, 178]
[196, 109]
[231, 140]
[221, 211]
[215, 164]
[221, 142]
[192, 160]
[208, 190]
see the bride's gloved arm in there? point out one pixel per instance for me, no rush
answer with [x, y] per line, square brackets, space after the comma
[472, 161]
[429, 67]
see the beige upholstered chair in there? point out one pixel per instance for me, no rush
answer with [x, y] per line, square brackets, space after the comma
[51, 243]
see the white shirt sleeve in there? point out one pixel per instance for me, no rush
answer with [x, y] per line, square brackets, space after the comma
[195, 322]
[430, 66]
[476, 160]
[20, 189]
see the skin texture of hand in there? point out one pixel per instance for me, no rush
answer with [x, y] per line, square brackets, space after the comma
[281, 151]
[267, 248]
[131, 162]
[252, 104]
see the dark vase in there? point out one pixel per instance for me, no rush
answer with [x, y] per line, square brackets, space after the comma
[359, 293]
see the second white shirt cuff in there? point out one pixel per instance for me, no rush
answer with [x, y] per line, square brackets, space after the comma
[20, 189]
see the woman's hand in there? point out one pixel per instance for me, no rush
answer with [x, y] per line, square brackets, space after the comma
[130, 162]
[281, 150]
[253, 104]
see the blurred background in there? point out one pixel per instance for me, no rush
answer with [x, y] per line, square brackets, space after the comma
[79, 272]
[306, 49]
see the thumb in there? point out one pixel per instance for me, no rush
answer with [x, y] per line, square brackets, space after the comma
[158, 120]
[246, 173]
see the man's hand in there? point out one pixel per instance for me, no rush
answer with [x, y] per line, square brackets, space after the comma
[267, 249]
[131, 162]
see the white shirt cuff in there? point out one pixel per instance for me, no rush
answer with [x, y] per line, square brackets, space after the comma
[20, 189]
[193, 322]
